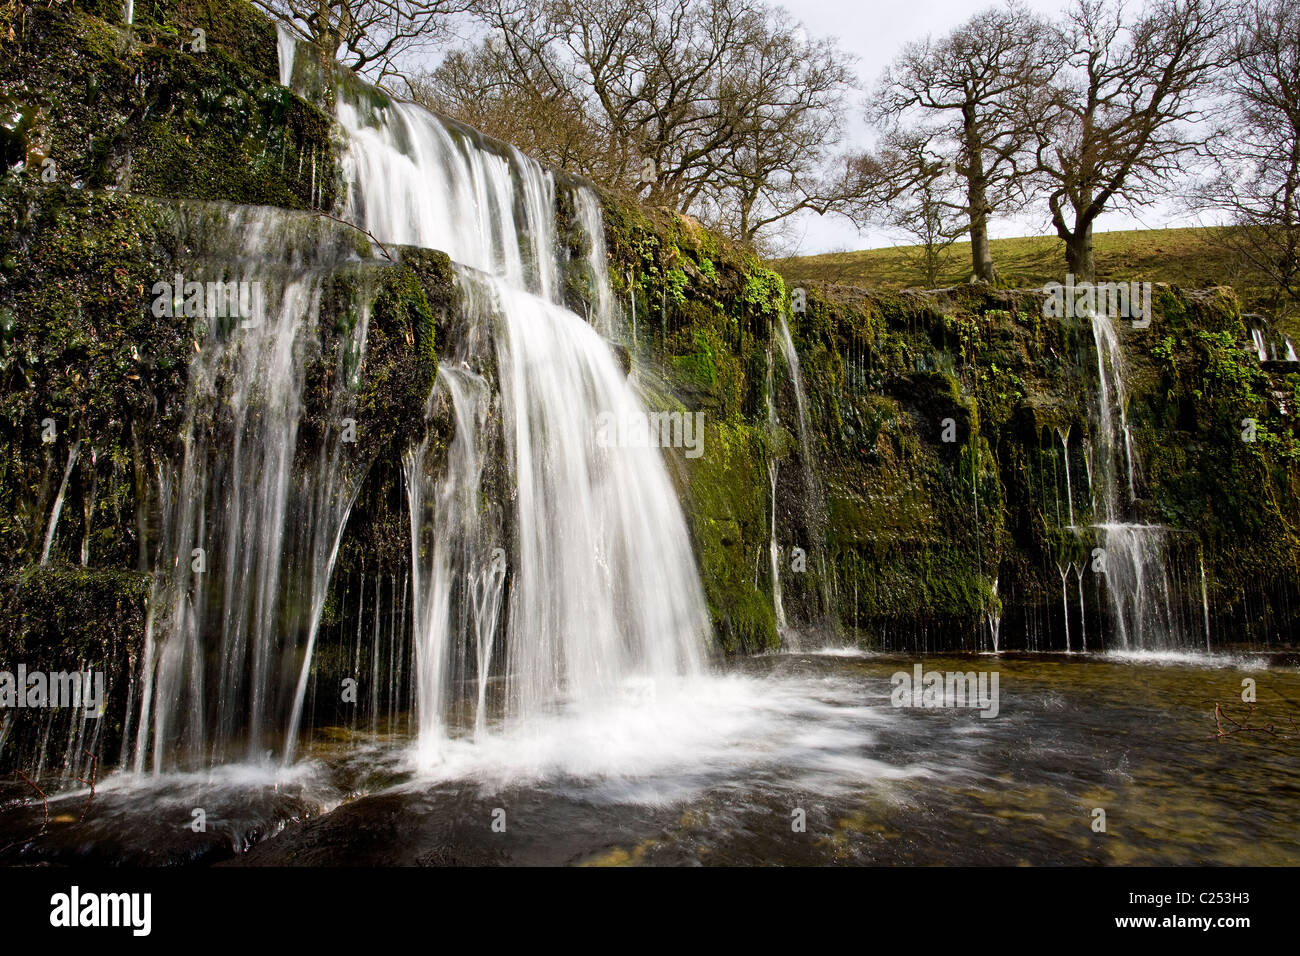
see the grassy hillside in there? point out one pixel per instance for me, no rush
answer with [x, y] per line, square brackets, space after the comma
[1186, 257]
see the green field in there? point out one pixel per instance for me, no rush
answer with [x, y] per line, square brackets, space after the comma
[1186, 257]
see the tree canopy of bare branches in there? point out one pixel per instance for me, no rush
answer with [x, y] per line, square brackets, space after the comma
[721, 108]
[369, 36]
[967, 99]
[1256, 156]
[1124, 112]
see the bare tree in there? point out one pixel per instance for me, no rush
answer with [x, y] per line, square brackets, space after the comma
[782, 99]
[1120, 117]
[645, 72]
[721, 108]
[969, 94]
[519, 103]
[929, 207]
[1256, 157]
[368, 36]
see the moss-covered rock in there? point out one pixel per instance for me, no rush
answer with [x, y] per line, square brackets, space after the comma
[61, 619]
[138, 110]
[937, 423]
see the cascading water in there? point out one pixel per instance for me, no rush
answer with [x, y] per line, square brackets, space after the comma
[603, 595]
[796, 380]
[1270, 345]
[1064, 435]
[600, 294]
[774, 550]
[1083, 614]
[454, 565]
[1112, 398]
[1136, 555]
[58, 501]
[1205, 602]
[250, 523]
[994, 617]
[418, 181]
[1064, 570]
[286, 47]
[814, 499]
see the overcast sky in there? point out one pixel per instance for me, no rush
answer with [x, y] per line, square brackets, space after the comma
[874, 31]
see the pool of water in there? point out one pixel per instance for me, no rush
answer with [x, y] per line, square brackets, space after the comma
[781, 759]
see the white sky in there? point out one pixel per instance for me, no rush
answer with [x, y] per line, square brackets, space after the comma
[874, 32]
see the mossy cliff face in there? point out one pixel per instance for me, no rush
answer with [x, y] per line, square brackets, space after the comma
[936, 444]
[113, 139]
[85, 364]
[92, 104]
[1219, 435]
[59, 619]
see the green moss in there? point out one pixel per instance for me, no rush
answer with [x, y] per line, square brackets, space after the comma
[726, 496]
[60, 618]
[141, 113]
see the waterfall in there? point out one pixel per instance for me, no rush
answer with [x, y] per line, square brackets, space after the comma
[1083, 620]
[251, 522]
[1205, 603]
[1269, 344]
[601, 594]
[449, 538]
[1087, 467]
[1065, 604]
[796, 380]
[994, 617]
[1113, 397]
[416, 180]
[1136, 554]
[58, 502]
[814, 500]
[1261, 348]
[285, 47]
[599, 291]
[774, 551]
[631, 294]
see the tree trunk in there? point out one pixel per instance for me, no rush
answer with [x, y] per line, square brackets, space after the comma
[977, 203]
[1078, 254]
[982, 267]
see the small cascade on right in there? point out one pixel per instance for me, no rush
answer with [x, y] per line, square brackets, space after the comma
[1134, 557]
[813, 497]
[1270, 345]
[774, 550]
[803, 603]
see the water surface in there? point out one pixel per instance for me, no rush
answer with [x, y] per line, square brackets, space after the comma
[724, 768]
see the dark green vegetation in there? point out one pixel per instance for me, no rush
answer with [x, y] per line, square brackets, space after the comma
[905, 533]
[918, 529]
[97, 107]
